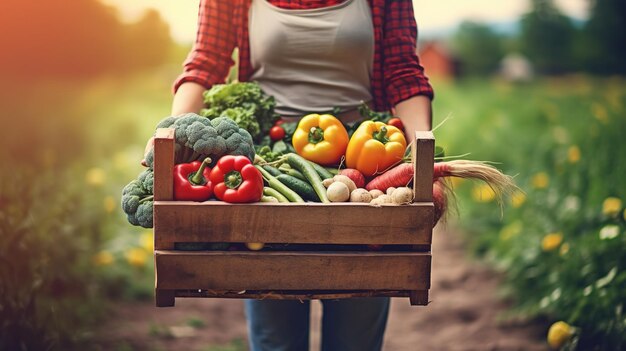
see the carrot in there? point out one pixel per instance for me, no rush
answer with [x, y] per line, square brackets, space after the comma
[401, 176]
[398, 176]
[441, 169]
[440, 199]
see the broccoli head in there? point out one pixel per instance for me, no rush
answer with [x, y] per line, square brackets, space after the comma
[198, 137]
[137, 199]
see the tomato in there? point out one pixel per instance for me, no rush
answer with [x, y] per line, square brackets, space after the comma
[277, 133]
[279, 122]
[396, 122]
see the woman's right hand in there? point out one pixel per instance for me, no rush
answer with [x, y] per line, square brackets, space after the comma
[149, 147]
[188, 97]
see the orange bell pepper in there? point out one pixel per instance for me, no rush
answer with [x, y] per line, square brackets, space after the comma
[375, 147]
[320, 138]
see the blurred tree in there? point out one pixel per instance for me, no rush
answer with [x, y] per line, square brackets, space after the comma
[77, 39]
[478, 48]
[604, 37]
[546, 38]
[148, 39]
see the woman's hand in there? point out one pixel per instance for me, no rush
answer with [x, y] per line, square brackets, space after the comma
[149, 146]
[188, 98]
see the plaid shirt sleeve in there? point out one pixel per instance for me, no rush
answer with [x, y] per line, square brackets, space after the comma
[403, 75]
[210, 59]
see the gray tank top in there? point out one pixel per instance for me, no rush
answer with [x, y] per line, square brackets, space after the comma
[312, 60]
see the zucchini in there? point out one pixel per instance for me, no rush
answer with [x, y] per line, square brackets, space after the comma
[271, 170]
[301, 187]
[307, 169]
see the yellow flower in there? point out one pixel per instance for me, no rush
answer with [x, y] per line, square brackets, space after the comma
[518, 199]
[483, 193]
[573, 154]
[95, 176]
[564, 249]
[103, 258]
[109, 204]
[551, 241]
[147, 240]
[611, 206]
[136, 257]
[599, 112]
[540, 180]
[559, 334]
[560, 135]
[511, 230]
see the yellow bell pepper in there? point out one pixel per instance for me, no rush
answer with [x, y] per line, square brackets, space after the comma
[375, 147]
[320, 138]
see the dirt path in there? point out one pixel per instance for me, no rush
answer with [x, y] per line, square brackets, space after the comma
[463, 315]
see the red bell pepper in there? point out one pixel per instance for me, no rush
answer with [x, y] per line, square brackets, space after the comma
[191, 181]
[235, 179]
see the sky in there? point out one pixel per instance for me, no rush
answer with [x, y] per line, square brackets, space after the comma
[181, 15]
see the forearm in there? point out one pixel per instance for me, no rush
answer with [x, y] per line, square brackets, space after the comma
[188, 98]
[415, 113]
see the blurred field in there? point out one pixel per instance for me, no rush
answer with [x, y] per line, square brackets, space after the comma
[560, 239]
[68, 150]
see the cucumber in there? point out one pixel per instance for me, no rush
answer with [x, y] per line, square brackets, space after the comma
[271, 170]
[307, 169]
[323, 172]
[280, 187]
[295, 173]
[301, 187]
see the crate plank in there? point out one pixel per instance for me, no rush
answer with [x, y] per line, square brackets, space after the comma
[294, 294]
[423, 161]
[219, 270]
[341, 223]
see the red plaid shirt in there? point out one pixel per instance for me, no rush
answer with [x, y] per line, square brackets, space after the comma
[223, 25]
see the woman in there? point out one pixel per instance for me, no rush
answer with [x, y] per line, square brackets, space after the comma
[313, 55]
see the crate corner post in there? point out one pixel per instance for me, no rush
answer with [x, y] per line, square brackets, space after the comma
[163, 191]
[164, 297]
[418, 297]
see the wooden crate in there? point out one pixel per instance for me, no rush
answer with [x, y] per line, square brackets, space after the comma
[316, 274]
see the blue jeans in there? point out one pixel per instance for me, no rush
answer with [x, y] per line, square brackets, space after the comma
[347, 325]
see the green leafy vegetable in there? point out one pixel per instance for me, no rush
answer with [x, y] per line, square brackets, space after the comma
[244, 103]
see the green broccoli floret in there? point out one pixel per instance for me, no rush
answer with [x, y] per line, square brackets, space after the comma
[198, 137]
[137, 199]
[243, 102]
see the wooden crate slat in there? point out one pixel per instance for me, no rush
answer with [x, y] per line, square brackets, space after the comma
[314, 223]
[303, 294]
[217, 270]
